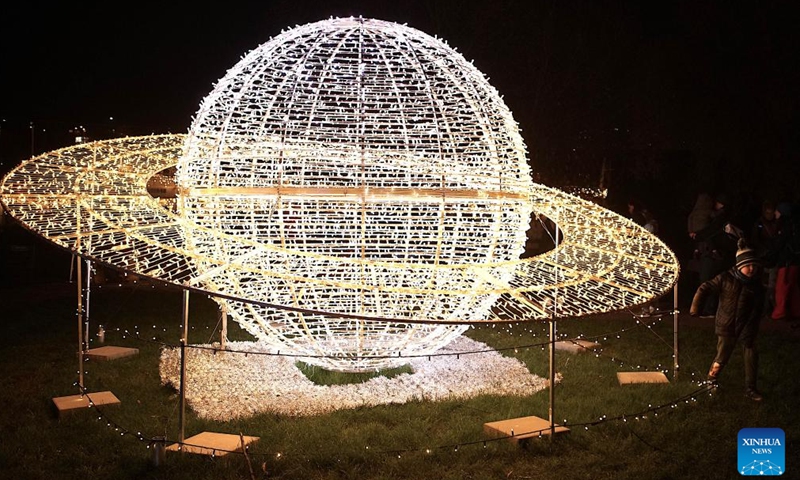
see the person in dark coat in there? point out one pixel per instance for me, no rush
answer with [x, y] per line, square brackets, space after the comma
[765, 241]
[715, 247]
[741, 302]
[636, 212]
[787, 282]
[701, 214]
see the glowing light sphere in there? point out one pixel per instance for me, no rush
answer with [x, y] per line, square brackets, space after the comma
[363, 153]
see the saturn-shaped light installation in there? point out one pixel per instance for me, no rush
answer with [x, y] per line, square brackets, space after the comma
[354, 192]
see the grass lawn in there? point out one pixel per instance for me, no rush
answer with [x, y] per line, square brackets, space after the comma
[696, 438]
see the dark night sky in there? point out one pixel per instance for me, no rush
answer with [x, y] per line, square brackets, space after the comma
[674, 96]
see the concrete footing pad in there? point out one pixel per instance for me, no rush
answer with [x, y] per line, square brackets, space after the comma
[517, 429]
[213, 444]
[627, 378]
[72, 403]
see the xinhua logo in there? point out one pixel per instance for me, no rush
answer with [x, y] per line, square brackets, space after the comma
[762, 451]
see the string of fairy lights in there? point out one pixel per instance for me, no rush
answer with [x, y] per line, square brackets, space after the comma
[135, 333]
[643, 414]
[639, 322]
[598, 351]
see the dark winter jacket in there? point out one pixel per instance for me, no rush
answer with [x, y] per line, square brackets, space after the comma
[718, 243]
[788, 242]
[701, 214]
[740, 305]
[765, 239]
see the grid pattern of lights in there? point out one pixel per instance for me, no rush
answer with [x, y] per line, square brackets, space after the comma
[352, 190]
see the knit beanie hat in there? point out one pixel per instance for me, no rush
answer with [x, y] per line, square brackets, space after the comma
[745, 255]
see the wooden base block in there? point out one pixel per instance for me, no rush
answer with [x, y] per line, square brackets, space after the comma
[576, 346]
[77, 402]
[626, 378]
[102, 354]
[521, 428]
[211, 443]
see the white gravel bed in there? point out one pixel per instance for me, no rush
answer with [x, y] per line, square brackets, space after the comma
[228, 385]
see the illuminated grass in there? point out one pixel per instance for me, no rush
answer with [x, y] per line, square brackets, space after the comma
[321, 376]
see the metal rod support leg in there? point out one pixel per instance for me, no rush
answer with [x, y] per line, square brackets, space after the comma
[81, 349]
[675, 363]
[184, 338]
[552, 374]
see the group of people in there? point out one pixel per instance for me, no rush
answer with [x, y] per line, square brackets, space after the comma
[775, 239]
[745, 275]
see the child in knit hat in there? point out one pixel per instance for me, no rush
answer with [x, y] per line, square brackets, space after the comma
[741, 300]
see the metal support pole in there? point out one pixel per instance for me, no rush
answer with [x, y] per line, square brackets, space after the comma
[79, 282]
[552, 372]
[81, 348]
[675, 364]
[33, 136]
[71, 267]
[184, 338]
[223, 336]
[551, 411]
[88, 304]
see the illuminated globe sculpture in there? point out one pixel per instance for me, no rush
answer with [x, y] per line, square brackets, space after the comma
[368, 155]
[353, 192]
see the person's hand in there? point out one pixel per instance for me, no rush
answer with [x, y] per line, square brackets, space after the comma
[692, 235]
